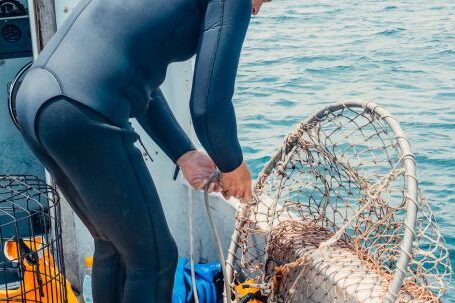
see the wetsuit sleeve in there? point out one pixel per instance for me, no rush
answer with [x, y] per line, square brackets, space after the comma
[224, 28]
[161, 125]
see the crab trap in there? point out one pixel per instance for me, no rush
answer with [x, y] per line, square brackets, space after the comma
[338, 216]
[32, 267]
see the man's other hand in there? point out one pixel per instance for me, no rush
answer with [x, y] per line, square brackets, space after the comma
[198, 168]
[237, 183]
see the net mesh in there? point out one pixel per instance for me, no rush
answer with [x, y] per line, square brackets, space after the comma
[338, 217]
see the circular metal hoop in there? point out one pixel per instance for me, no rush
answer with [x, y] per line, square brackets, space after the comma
[410, 195]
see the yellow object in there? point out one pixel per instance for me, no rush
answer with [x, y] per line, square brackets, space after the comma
[12, 248]
[40, 277]
[89, 261]
[246, 288]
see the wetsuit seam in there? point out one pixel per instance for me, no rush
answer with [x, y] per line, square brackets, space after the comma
[107, 119]
[214, 25]
[54, 75]
[142, 192]
[211, 74]
[44, 104]
[66, 33]
[50, 72]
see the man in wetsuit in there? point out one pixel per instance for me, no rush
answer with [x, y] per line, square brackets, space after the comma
[100, 69]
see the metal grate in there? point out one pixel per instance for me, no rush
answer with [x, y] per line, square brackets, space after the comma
[32, 267]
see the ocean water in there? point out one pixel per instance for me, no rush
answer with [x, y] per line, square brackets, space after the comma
[302, 55]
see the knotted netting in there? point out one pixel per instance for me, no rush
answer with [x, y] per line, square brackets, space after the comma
[338, 217]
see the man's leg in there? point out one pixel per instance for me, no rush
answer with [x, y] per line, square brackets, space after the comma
[109, 174]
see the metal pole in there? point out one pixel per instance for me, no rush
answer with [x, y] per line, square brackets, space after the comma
[43, 23]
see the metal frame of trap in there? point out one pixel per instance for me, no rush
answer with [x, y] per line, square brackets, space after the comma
[411, 194]
[32, 264]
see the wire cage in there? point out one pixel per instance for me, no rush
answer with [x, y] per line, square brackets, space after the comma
[32, 265]
[338, 217]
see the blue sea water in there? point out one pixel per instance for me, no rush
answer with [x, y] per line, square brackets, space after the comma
[302, 55]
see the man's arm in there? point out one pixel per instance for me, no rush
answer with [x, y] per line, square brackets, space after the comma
[160, 124]
[224, 29]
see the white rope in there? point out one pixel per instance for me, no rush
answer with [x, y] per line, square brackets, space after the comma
[216, 236]
[190, 219]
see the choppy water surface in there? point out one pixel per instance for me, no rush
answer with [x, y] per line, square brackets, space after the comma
[302, 55]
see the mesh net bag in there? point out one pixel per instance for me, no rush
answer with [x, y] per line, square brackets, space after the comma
[338, 217]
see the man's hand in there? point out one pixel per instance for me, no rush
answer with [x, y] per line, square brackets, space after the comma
[197, 168]
[237, 183]
[257, 5]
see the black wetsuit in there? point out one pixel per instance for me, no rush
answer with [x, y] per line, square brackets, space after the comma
[74, 105]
